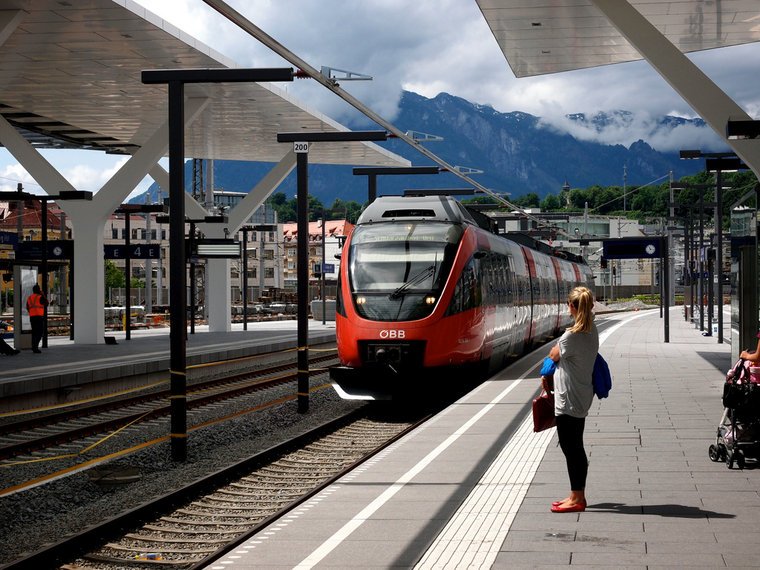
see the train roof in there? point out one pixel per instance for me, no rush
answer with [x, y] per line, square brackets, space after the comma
[446, 209]
[533, 243]
[417, 208]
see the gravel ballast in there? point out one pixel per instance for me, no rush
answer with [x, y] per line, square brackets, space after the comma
[48, 513]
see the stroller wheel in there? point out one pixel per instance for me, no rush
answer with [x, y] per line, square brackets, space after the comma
[714, 453]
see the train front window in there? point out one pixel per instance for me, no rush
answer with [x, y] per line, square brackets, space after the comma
[397, 270]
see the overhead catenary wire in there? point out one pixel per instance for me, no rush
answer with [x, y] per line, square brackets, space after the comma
[304, 68]
[631, 191]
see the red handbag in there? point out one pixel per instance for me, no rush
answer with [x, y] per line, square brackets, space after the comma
[543, 412]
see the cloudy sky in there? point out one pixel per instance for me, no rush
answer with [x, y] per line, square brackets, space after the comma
[430, 46]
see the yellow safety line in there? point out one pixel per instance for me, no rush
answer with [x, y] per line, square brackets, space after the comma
[149, 386]
[80, 466]
[81, 452]
[256, 356]
[138, 447]
[84, 401]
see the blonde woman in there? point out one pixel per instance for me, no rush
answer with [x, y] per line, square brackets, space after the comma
[574, 354]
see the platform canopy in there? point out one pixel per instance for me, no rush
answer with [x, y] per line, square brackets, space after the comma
[549, 36]
[70, 78]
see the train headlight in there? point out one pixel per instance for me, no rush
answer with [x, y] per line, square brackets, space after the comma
[361, 300]
[429, 300]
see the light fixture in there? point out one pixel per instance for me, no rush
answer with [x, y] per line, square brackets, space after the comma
[724, 165]
[742, 129]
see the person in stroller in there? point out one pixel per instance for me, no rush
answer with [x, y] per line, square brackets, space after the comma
[738, 434]
[5, 348]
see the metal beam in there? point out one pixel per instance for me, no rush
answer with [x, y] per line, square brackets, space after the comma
[696, 88]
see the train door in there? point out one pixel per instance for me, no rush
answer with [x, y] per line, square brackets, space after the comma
[558, 301]
[533, 294]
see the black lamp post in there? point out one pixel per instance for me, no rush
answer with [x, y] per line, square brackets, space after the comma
[245, 230]
[701, 259]
[43, 199]
[127, 210]
[718, 162]
[301, 143]
[373, 172]
[176, 80]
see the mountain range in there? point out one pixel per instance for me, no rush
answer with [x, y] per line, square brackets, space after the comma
[517, 152]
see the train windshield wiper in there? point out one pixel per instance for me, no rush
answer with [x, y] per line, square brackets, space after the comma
[416, 278]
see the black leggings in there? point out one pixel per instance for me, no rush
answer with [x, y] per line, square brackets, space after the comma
[570, 433]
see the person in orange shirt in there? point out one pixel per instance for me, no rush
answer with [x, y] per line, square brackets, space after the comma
[35, 305]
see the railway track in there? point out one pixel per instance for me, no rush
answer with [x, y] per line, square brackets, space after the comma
[44, 432]
[201, 522]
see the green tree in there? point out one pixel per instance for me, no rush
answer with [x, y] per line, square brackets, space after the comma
[286, 211]
[550, 203]
[480, 200]
[342, 210]
[113, 276]
[315, 208]
[530, 200]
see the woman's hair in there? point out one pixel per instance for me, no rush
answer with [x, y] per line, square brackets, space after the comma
[583, 301]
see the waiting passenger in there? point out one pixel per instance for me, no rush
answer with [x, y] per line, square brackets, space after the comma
[575, 353]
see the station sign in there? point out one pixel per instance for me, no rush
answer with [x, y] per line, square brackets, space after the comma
[633, 248]
[214, 248]
[328, 268]
[8, 238]
[56, 249]
[136, 251]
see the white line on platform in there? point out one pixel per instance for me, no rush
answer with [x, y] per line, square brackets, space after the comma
[473, 536]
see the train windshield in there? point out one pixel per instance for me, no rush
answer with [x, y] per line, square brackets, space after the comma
[397, 271]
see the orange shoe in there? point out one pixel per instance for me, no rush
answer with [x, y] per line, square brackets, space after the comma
[574, 508]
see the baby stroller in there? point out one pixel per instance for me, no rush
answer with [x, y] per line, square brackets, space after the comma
[738, 436]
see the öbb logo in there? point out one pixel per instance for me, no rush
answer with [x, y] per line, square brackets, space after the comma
[392, 333]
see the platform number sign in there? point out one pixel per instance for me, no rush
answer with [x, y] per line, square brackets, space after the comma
[301, 147]
[633, 248]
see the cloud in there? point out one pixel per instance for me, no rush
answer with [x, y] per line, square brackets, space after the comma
[430, 46]
[12, 174]
[433, 46]
[628, 128]
[84, 170]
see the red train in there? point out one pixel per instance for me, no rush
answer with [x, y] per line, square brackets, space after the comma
[423, 286]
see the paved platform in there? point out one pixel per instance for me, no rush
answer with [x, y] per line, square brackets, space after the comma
[66, 366]
[472, 488]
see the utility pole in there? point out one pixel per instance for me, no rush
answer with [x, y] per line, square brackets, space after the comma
[625, 180]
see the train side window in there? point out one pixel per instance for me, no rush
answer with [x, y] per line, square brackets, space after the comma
[339, 308]
[468, 290]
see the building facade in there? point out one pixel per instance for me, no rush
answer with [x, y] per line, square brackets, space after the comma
[335, 232]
